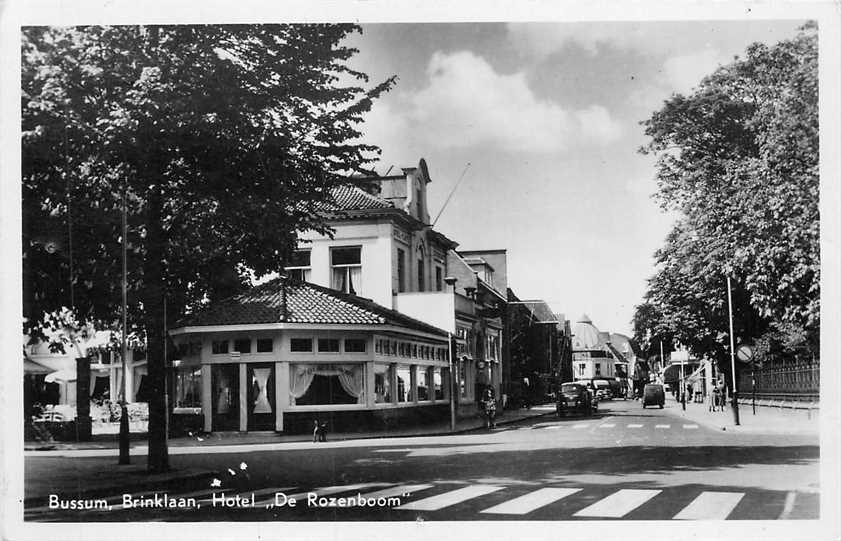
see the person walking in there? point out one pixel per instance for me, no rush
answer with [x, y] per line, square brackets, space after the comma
[489, 404]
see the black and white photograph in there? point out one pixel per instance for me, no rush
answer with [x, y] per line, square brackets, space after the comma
[344, 271]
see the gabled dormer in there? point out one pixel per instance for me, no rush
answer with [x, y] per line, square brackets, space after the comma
[407, 191]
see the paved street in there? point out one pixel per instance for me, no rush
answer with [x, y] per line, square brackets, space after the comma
[627, 463]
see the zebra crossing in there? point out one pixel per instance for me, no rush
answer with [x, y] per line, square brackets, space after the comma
[604, 425]
[481, 501]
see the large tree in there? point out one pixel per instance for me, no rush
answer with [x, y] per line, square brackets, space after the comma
[738, 159]
[222, 140]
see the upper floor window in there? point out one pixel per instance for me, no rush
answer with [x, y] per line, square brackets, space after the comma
[401, 270]
[419, 198]
[243, 345]
[347, 269]
[354, 345]
[299, 265]
[219, 346]
[420, 275]
[439, 279]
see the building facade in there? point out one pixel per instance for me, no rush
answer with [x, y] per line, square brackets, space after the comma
[287, 353]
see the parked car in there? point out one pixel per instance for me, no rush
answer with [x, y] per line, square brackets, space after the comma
[575, 398]
[617, 388]
[603, 390]
[653, 395]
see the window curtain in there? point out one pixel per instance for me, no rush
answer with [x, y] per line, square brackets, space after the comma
[300, 379]
[339, 275]
[355, 279]
[352, 378]
[260, 385]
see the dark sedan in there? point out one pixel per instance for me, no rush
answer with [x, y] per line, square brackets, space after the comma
[575, 398]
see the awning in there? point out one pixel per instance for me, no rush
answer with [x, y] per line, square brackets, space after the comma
[30, 367]
[68, 374]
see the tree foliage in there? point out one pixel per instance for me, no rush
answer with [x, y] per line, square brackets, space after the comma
[738, 160]
[223, 140]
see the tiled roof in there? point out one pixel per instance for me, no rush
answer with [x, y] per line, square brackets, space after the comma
[354, 198]
[305, 303]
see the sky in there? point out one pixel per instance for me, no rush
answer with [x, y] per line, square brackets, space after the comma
[547, 115]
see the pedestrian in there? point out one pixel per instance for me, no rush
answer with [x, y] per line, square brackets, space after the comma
[489, 403]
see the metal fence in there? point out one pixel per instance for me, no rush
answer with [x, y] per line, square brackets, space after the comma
[784, 379]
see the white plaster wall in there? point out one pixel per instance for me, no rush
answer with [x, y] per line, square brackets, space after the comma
[376, 244]
[436, 309]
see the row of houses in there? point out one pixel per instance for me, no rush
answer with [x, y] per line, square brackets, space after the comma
[380, 323]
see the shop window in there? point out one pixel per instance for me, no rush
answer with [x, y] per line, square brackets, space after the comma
[219, 347]
[326, 384]
[299, 267]
[437, 382]
[300, 345]
[382, 384]
[243, 345]
[404, 384]
[265, 345]
[328, 345]
[462, 379]
[423, 383]
[347, 269]
[354, 345]
[188, 387]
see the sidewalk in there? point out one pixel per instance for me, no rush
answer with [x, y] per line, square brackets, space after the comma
[767, 420]
[199, 440]
[102, 476]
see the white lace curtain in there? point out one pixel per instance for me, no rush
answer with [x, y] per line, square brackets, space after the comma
[351, 377]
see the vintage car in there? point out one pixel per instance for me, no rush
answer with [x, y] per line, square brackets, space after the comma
[653, 395]
[603, 390]
[575, 398]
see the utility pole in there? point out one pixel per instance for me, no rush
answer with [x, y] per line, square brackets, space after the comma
[452, 384]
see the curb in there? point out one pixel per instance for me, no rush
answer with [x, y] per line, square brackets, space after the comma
[346, 437]
[741, 429]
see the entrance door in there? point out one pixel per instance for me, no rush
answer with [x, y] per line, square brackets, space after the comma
[261, 396]
[225, 387]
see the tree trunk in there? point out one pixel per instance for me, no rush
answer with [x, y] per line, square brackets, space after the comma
[153, 277]
[83, 399]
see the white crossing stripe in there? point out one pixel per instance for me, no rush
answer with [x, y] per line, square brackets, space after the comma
[607, 425]
[618, 504]
[662, 426]
[434, 503]
[634, 426]
[531, 501]
[396, 491]
[326, 491]
[580, 426]
[789, 506]
[710, 506]
[690, 426]
[555, 427]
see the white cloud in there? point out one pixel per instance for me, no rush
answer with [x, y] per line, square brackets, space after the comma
[683, 73]
[466, 103]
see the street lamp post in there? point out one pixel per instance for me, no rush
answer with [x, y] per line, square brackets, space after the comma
[732, 355]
